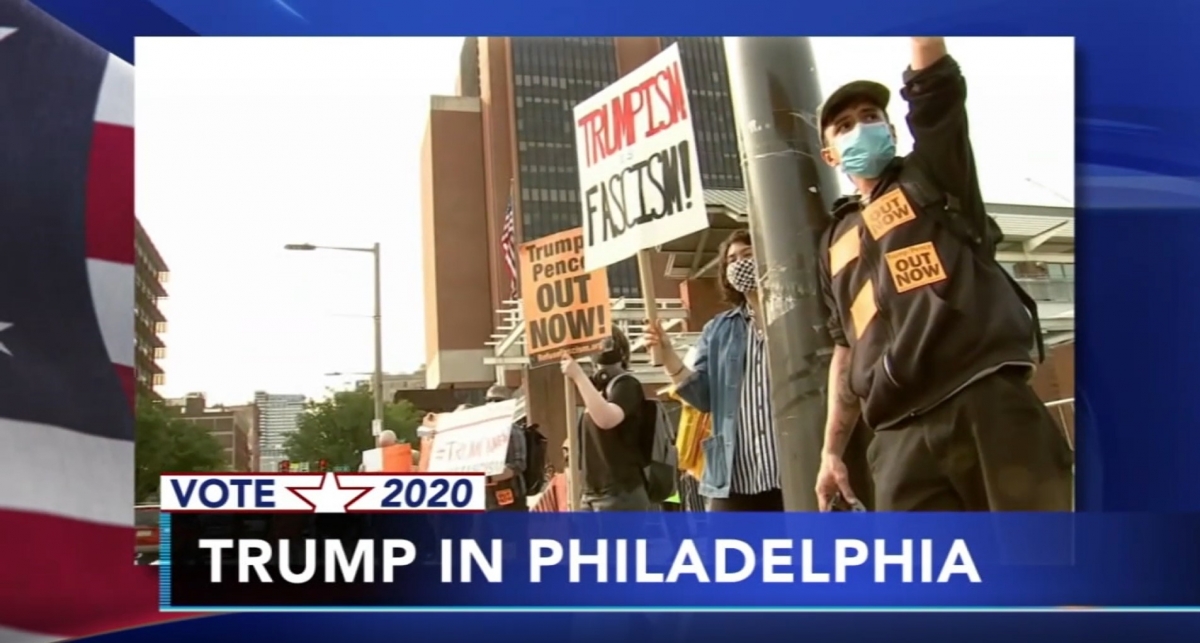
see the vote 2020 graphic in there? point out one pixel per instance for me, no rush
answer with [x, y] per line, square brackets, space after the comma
[322, 493]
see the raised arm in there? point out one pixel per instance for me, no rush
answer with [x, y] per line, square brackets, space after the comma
[936, 92]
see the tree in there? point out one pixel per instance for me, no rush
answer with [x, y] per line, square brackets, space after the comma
[338, 428]
[167, 443]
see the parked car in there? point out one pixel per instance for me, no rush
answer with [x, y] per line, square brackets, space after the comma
[145, 521]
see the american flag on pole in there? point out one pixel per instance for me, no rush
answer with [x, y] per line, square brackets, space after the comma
[508, 245]
[66, 336]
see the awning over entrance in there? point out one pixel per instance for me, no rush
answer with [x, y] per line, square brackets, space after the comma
[508, 342]
[1058, 327]
[1031, 233]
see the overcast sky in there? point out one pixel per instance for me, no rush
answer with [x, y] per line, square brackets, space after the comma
[246, 144]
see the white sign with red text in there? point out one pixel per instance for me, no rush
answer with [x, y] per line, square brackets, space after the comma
[472, 440]
[639, 171]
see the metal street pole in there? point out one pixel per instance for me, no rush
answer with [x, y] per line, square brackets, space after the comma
[775, 91]
[377, 374]
[377, 426]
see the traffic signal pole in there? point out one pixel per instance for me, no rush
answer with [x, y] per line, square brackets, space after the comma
[773, 82]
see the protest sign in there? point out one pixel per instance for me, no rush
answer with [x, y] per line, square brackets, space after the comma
[473, 440]
[394, 459]
[639, 172]
[567, 309]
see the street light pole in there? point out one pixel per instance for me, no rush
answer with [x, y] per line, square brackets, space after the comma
[377, 374]
[377, 387]
[773, 84]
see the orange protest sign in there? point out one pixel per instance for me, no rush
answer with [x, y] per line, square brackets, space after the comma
[394, 459]
[567, 309]
[398, 458]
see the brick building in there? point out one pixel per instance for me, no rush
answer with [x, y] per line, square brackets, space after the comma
[507, 138]
[412, 388]
[230, 426]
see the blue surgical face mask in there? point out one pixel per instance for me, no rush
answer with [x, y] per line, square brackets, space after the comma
[866, 150]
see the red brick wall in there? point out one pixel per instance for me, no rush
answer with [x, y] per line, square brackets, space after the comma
[1055, 380]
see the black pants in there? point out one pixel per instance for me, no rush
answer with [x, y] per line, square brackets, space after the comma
[766, 501]
[858, 465]
[991, 447]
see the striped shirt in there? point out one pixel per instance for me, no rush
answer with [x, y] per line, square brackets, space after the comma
[755, 462]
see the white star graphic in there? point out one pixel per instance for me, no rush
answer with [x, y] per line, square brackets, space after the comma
[7, 31]
[330, 497]
[4, 349]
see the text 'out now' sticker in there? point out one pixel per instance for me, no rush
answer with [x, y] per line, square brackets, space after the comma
[915, 266]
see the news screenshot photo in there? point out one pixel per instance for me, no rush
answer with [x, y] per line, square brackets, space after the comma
[511, 322]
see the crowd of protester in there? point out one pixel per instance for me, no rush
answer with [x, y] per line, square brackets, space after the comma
[922, 414]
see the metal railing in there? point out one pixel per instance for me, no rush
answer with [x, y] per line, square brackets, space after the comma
[1053, 289]
[1064, 413]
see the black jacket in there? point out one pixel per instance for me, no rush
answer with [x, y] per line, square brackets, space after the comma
[923, 310]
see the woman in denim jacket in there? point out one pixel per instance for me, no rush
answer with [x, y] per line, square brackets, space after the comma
[729, 379]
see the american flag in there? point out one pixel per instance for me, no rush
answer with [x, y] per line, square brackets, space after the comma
[508, 246]
[66, 336]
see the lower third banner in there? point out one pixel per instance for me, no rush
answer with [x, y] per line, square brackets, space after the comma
[229, 562]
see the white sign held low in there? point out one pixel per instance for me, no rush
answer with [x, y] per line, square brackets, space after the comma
[639, 172]
[473, 440]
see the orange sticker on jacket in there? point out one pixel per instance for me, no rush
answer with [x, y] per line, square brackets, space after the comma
[504, 497]
[915, 266]
[863, 310]
[843, 251]
[887, 213]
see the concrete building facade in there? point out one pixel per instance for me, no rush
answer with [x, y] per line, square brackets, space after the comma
[278, 417]
[150, 275]
[247, 416]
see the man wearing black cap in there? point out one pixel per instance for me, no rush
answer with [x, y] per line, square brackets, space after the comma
[933, 340]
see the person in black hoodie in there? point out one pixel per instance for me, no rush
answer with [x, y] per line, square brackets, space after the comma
[933, 339]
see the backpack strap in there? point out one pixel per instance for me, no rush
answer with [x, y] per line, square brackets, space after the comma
[608, 388]
[929, 198]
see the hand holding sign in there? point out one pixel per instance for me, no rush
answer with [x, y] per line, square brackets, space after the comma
[571, 368]
[656, 337]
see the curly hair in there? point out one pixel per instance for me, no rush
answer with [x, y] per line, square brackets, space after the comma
[730, 294]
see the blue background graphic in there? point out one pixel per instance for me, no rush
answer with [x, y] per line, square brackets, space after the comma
[1138, 199]
[1023, 560]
